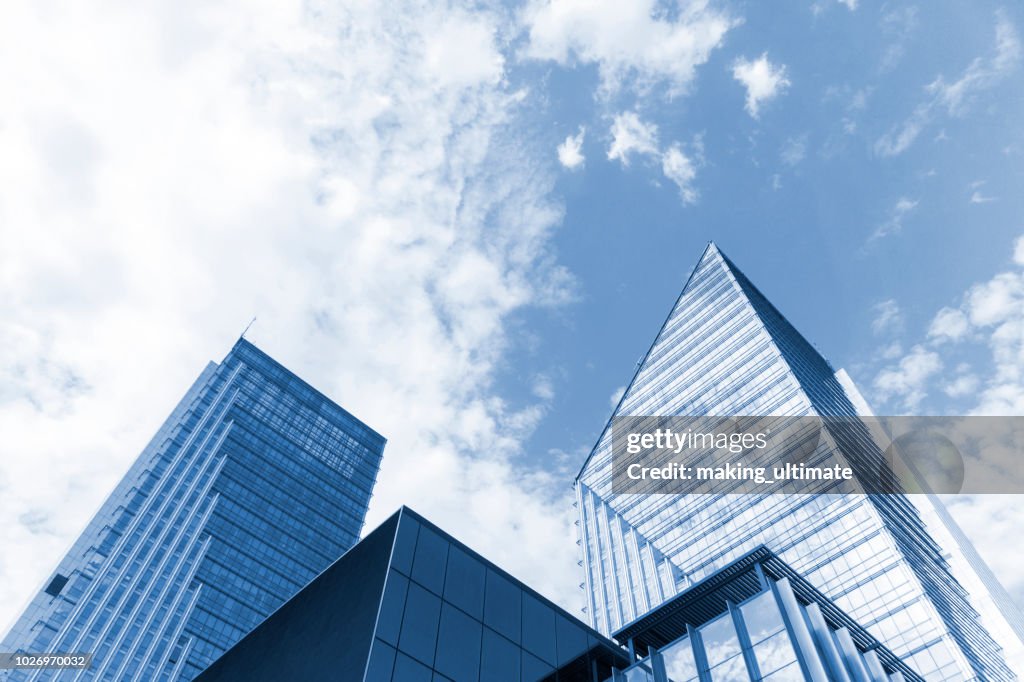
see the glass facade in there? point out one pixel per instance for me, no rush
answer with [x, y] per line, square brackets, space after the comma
[761, 622]
[411, 603]
[253, 485]
[726, 351]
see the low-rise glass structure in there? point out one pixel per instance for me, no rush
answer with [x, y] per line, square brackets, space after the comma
[409, 603]
[755, 619]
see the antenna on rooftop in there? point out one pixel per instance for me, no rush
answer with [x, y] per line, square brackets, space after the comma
[247, 327]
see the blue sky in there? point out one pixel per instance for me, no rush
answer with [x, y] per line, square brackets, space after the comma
[466, 221]
[805, 197]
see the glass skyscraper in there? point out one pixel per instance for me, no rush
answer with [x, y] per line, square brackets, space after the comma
[724, 350]
[253, 485]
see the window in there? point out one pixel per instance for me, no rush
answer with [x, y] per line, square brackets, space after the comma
[722, 647]
[720, 640]
[429, 561]
[500, 660]
[391, 607]
[502, 606]
[458, 645]
[680, 664]
[571, 639]
[405, 543]
[774, 653]
[539, 628]
[791, 673]
[56, 585]
[408, 670]
[419, 626]
[382, 660]
[761, 617]
[639, 673]
[464, 582]
[534, 668]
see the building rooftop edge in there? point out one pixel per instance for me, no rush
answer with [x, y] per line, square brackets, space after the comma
[243, 342]
[710, 247]
[602, 639]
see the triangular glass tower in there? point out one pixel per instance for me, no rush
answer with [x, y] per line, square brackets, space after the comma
[725, 350]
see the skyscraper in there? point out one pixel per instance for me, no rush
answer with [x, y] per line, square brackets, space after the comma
[254, 484]
[725, 350]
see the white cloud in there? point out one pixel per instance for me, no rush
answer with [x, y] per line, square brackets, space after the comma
[543, 388]
[894, 223]
[891, 351]
[996, 301]
[981, 74]
[888, 317]
[897, 24]
[850, 4]
[965, 384]
[992, 311]
[794, 150]
[955, 97]
[630, 42]
[351, 174]
[570, 152]
[616, 396]
[630, 135]
[949, 324]
[678, 168]
[908, 379]
[976, 195]
[762, 79]
[901, 137]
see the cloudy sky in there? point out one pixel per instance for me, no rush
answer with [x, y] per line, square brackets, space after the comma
[466, 221]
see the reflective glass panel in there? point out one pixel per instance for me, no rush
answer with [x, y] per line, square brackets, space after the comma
[405, 544]
[390, 622]
[464, 582]
[429, 562]
[761, 617]
[502, 606]
[539, 628]
[382, 661]
[419, 626]
[679, 661]
[534, 669]
[408, 670]
[571, 639]
[732, 670]
[791, 673]
[500, 660]
[458, 645]
[720, 640]
[774, 653]
[639, 673]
